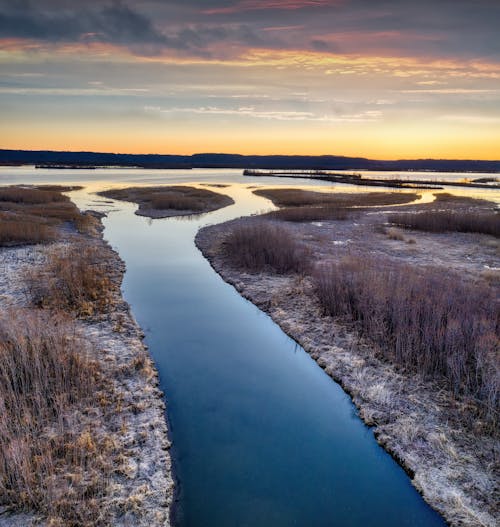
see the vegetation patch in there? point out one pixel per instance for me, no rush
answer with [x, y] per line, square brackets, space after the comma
[33, 214]
[173, 200]
[52, 459]
[264, 246]
[289, 197]
[426, 321]
[75, 279]
[449, 221]
[307, 206]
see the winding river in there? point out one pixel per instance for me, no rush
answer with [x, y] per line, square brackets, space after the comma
[262, 437]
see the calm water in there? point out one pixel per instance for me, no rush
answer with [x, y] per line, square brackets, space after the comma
[262, 437]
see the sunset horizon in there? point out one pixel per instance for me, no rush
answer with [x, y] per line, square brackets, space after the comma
[385, 80]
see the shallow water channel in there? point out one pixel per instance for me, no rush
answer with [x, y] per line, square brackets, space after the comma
[261, 435]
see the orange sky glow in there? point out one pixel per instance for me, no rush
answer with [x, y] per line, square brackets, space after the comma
[253, 78]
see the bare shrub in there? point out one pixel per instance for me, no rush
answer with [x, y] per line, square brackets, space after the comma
[74, 278]
[443, 221]
[423, 320]
[259, 246]
[50, 462]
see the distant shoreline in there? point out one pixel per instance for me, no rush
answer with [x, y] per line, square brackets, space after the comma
[58, 159]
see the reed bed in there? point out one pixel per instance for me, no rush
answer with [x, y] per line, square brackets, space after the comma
[74, 279]
[179, 198]
[50, 461]
[449, 221]
[425, 321]
[32, 215]
[289, 197]
[314, 213]
[264, 246]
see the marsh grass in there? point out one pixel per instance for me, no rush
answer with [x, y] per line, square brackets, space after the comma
[289, 197]
[179, 198]
[425, 321]
[450, 221]
[312, 213]
[259, 246]
[32, 215]
[306, 206]
[51, 462]
[74, 279]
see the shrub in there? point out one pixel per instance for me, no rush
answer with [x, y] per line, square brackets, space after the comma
[443, 221]
[423, 320]
[259, 246]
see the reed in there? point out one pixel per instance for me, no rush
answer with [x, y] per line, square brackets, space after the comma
[426, 321]
[258, 246]
[50, 462]
[449, 221]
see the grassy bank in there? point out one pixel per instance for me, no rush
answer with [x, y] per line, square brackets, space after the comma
[78, 392]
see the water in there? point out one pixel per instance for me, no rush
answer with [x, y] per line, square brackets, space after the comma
[262, 437]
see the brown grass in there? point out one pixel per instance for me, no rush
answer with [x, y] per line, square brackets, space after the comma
[179, 198]
[32, 215]
[16, 231]
[448, 221]
[425, 321]
[306, 206]
[50, 462]
[74, 279]
[289, 197]
[264, 246]
[306, 214]
[30, 196]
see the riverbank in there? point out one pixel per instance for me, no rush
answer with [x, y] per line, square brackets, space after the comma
[454, 466]
[121, 473]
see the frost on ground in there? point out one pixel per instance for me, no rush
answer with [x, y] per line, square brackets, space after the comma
[415, 420]
[139, 485]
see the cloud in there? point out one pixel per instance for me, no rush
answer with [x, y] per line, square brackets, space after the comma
[264, 5]
[275, 115]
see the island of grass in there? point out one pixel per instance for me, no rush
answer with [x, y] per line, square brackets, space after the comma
[402, 313]
[167, 201]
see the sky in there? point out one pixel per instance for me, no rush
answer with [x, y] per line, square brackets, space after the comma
[385, 79]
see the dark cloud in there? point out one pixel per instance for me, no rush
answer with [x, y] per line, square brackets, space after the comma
[444, 28]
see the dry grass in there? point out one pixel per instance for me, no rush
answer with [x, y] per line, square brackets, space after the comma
[17, 231]
[32, 215]
[31, 196]
[259, 246]
[448, 221]
[74, 279]
[178, 198]
[50, 462]
[306, 206]
[289, 197]
[307, 214]
[425, 321]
